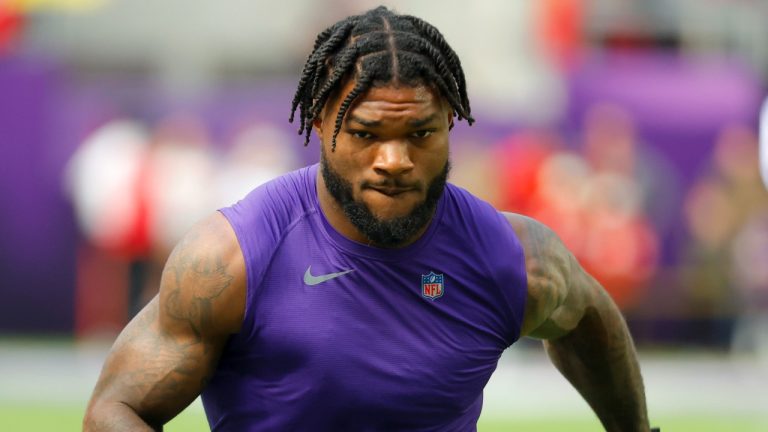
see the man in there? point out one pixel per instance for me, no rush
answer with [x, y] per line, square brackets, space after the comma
[365, 293]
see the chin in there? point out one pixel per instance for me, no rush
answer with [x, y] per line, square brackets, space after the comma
[386, 208]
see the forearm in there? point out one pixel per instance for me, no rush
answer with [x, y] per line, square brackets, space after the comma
[598, 357]
[115, 417]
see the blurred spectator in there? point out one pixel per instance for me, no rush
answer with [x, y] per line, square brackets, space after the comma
[750, 273]
[517, 161]
[180, 181]
[724, 204]
[561, 30]
[136, 192]
[11, 24]
[181, 171]
[598, 217]
[764, 142]
[558, 200]
[472, 171]
[594, 202]
[106, 180]
[611, 145]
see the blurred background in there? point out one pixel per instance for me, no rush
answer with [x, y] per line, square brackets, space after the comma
[628, 126]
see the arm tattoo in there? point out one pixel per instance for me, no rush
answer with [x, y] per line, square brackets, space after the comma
[195, 280]
[164, 357]
[545, 258]
[548, 269]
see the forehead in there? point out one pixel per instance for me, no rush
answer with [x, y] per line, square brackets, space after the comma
[393, 100]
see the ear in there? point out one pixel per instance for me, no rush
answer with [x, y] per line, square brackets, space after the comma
[317, 125]
[450, 120]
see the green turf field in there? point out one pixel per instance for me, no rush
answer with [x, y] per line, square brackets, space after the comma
[45, 385]
[47, 418]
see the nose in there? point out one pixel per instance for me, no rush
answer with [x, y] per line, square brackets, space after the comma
[393, 159]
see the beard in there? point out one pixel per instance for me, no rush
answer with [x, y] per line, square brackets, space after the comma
[391, 232]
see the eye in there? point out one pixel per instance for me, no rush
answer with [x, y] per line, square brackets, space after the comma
[423, 133]
[361, 135]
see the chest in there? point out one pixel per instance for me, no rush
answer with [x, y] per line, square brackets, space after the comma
[425, 332]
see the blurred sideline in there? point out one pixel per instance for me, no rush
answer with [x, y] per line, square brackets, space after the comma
[525, 385]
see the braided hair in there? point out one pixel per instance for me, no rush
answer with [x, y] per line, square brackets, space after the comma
[377, 48]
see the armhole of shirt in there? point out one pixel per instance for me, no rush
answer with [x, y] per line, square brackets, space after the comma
[520, 287]
[514, 283]
[260, 221]
[246, 250]
[507, 265]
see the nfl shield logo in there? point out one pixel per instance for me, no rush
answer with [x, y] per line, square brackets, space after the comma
[432, 286]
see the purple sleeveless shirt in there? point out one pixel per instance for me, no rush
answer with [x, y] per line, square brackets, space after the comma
[340, 336]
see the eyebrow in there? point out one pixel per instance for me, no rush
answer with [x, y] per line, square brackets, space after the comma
[422, 122]
[417, 123]
[364, 122]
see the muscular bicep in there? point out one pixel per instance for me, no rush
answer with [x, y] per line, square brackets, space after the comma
[162, 359]
[558, 288]
[562, 303]
[154, 372]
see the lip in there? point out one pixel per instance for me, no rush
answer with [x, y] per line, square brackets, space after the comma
[392, 191]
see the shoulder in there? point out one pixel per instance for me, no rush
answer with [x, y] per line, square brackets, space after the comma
[463, 206]
[529, 227]
[545, 255]
[478, 223]
[542, 246]
[464, 198]
[548, 265]
[261, 218]
[203, 282]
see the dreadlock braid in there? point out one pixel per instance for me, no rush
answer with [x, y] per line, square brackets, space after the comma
[426, 49]
[346, 61]
[376, 48]
[321, 37]
[362, 83]
[441, 85]
[432, 34]
[327, 40]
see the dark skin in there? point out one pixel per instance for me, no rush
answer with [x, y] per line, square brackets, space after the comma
[394, 134]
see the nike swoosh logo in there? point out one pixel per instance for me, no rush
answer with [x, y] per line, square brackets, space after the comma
[314, 280]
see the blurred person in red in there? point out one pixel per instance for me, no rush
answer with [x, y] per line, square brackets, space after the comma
[518, 159]
[107, 180]
[625, 188]
[594, 201]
